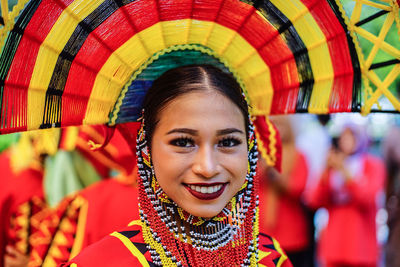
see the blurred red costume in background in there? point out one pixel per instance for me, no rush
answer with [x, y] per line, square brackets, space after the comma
[22, 196]
[348, 189]
[281, 212]
[90, 214]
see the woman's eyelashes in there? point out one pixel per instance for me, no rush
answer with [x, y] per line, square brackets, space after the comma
[229, 141]
[224, 142]
[182, 142]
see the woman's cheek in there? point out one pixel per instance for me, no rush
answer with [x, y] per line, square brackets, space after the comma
[237, 165]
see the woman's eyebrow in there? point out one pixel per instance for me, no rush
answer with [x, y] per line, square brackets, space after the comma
[229, 131]
[195, 132]
[184, 130]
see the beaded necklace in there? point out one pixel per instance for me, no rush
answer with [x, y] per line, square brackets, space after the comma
[177, 238]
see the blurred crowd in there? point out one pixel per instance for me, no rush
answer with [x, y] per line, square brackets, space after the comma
[335, 201]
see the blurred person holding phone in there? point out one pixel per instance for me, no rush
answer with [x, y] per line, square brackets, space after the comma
[348, 189]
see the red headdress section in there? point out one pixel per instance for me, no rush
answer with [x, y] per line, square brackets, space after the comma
[269, 142]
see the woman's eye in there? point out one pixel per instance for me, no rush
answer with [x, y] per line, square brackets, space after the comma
[229, 142]
[182, 142]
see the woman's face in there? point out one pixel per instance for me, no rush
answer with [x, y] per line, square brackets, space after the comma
[347, 142]
[199, 151]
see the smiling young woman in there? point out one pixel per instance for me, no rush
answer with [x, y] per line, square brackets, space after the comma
[197, 193]
[207, 158]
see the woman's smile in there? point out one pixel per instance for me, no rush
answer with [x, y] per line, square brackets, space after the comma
[206, 191]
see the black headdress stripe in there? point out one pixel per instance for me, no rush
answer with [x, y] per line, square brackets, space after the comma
[298, 48]
[60, 74]
[10, 48]
[356, 97]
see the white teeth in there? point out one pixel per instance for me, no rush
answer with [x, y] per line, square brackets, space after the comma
[206, 189]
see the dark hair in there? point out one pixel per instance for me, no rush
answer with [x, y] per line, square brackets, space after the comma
[182, 80]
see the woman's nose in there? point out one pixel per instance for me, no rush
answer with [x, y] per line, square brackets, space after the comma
[205, 162]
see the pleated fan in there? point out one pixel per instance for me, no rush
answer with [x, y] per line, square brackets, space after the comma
[72, 62]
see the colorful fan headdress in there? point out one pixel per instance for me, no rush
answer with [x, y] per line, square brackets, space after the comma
[68, 62]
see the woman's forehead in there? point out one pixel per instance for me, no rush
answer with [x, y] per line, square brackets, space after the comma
[201, 109]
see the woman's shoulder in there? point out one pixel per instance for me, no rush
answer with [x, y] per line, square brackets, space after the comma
[128, 248]
[270, 252]
[123, 248]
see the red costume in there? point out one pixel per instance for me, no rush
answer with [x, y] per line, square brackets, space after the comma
[87, 216]
[289, 226]
[350, 236]
[83, 219]
[128, 248]
[21, 201]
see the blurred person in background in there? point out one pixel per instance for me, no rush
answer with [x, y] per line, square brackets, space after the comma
[348, 189]
[391, 152]
[282, 212]
[86, 216]
[22, 198]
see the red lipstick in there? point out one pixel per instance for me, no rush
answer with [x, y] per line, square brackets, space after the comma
[206, 196]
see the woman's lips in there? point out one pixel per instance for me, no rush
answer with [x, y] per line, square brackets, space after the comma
[206, 191]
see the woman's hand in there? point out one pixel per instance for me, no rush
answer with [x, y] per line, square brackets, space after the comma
[335, 160]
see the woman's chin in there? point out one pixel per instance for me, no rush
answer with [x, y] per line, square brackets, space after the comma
[206, 214]
[202, 210]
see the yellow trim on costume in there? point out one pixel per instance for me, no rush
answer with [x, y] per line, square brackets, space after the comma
[73, 265]
[80, 227]
[316, 44]
[278, 248]
[262, 255]
[132, 248]
[239, 55]
[48, 54]
[135, 222]
[21, 227]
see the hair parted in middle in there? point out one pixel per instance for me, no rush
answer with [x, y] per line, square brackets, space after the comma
[182, 80]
